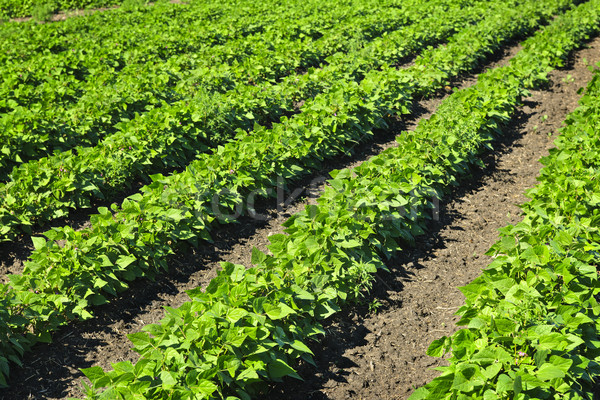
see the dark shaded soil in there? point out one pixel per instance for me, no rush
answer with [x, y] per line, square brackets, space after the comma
[365, 355]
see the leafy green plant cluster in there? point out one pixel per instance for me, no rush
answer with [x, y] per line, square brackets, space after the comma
[82, 92]
[250, 324]
[531, 320]
[60, 283]
[212, 174]
[41, 8]
[170, 136]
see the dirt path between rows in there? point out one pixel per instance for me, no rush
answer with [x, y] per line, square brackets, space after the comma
[365, 355]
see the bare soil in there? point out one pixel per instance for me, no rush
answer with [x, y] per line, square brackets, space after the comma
[366, 355]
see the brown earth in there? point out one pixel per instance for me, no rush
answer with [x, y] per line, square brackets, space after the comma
[366, 355]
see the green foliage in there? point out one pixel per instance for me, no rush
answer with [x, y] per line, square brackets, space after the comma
[79, 90]
[60, 284]
[133, 5]
[169, 136]
[250, 325]
[332, 248]
[531, 320]
[41, 10]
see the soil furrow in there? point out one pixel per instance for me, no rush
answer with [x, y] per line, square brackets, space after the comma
[52, 371]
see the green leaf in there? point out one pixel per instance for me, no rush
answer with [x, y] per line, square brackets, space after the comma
[279, 368]
[173, 214]
[420, 394]
[439, 347]
[517, 385]
[125, 261]
[38, 242]
[349, 244]
[140, 340]
[281, 310]
[168, 379]
[491, 371]
[508, 243]
[302, 294]
[232, 366]
[235, 314]
[238, 273]
[97, 376]
[504, 326]
[206, 387]
[490, 395]
[258, 257]
[549, 371]
[505, 384]
[562, 363]
[298, 345]
[249, 374]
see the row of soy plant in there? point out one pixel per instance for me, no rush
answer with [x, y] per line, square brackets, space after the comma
[61, 283]
[251, 324]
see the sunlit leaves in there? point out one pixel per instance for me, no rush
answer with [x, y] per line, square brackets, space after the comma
[537, 301]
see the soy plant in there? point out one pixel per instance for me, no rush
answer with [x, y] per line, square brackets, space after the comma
[531, 319]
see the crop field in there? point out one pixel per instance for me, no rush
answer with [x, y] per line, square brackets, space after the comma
[355, 199]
